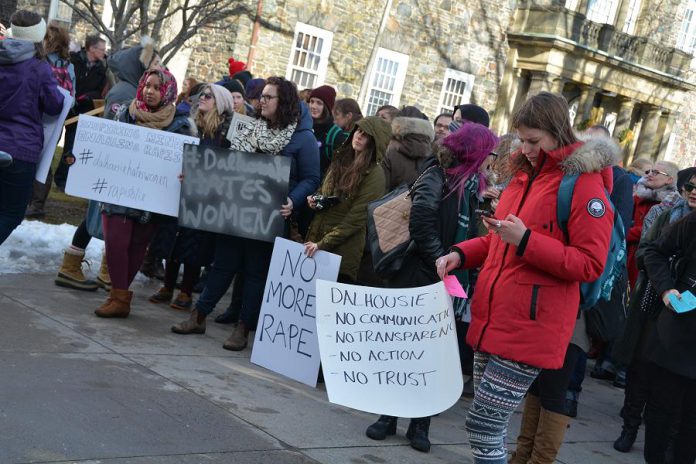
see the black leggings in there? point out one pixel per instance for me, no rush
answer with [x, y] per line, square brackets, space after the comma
[551, 385]
[81, 238]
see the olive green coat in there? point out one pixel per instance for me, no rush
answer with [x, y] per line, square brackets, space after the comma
[341, 229]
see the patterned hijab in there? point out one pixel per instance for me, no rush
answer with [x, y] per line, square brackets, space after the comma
[168, 90]
[163, 116]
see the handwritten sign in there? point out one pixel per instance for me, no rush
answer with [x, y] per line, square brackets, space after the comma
[234, 193]
[286, 335]
[52, 128]
[389, 351]
[127, 165]
[239, 122]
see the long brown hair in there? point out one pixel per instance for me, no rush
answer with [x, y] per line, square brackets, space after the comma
[548, 112]
[57, 40]
[348, 168]
[348, 105]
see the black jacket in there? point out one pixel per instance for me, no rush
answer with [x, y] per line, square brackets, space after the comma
[90, 81]
[673, 343]
[432, 225]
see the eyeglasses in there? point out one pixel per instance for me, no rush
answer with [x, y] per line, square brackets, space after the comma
[206, 96]
[267, 98]
[655, 172]
[689, 187]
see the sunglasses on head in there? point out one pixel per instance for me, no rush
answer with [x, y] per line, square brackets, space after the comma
[689, 187]
[655, 172]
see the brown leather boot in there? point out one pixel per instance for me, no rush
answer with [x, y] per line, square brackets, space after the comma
[239, 338]
[549, 437]
[528, 428]
[195, 324]
[117, 305]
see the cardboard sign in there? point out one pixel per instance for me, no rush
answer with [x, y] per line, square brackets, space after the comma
[234, 193]
[127, 165]
[286, 334]
[389, 351]
[52, 129]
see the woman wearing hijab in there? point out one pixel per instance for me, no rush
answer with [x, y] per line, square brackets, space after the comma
[127, 231]
[181, 245]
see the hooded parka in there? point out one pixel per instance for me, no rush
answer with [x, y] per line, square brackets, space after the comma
[341, 229]
[527, 297]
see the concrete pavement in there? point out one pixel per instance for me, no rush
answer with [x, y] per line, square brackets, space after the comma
[76, 388]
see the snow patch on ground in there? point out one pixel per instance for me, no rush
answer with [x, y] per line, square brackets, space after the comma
[36, 247]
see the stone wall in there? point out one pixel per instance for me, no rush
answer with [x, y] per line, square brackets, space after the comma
[437, 34]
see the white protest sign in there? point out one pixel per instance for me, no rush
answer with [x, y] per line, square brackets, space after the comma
[389, 351]
[286, 335]
[52, 128]
[239, 121]
[127, 165]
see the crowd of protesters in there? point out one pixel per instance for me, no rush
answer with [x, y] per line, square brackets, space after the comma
[484, 208]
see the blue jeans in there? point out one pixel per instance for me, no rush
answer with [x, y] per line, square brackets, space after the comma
[234, 255]
[16, 187]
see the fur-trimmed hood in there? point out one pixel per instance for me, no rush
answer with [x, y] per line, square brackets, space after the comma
[593, 155]
[401, 127]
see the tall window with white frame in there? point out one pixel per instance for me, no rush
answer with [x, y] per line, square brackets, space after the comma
[456, 90]
[60, 11]
[309, 57]
[687, 33]
[602, 11]
[629, 26]
[386, 81]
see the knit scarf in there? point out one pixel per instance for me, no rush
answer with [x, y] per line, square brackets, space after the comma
[658, 195]
[467, 204]
[157, 120]
[258, 137]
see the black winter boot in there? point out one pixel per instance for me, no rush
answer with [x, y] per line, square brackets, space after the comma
[418, 434]
[625, 442]
[385, 426]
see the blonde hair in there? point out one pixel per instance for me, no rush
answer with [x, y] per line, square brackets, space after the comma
[209, 121]
[639, 165]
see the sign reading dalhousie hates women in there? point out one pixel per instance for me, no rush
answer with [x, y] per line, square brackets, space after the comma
[233, 192]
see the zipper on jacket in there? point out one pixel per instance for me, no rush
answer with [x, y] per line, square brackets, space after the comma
[505, 252]
[533, 306]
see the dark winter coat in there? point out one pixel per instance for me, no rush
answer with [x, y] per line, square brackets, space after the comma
[526, 302]
[27, 90]
[622, 195]
[409, 148]
[91, 80]
[181, 124]
[304, 153]
[673, 344]
[342, 228]
[432, 225]
[329, 137]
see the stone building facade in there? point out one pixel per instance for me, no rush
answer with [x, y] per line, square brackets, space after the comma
[623, 63]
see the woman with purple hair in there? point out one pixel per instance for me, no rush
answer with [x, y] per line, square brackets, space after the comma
[444, 199]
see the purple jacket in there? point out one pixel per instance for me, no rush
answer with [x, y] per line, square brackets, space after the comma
[27, 89]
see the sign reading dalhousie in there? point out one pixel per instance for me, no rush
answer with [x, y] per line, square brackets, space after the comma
[233, 192]
[127, 165]
[389, 351]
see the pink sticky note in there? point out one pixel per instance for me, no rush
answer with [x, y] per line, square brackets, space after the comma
[453, 286]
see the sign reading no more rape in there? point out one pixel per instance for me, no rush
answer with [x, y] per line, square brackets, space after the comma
[286, 334]
[127, 165]
[389, 351]
[233, 192]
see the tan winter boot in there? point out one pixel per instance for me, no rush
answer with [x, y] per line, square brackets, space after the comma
[195, 324]
[117, 305]
[239, 338]
[70, 273]
[103, 279]
[528, 428]
[549, 437]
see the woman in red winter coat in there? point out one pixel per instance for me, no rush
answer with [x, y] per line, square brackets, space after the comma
[527, 294]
